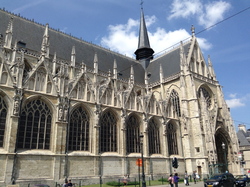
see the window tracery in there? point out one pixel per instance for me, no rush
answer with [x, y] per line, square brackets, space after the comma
[108, 132]
[153, 137]
[173, 109]
[78, 130]
[206, 95]
[133, 135]
[3, 114]
[35, 126]
[172, 139]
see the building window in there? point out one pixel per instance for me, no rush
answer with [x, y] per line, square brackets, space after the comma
[207, 97]
[172, 139]
[108, 132]
[173, 109]
[35, 126]
[133, 135]
[153, 137]
[78, 130]
[3, 114]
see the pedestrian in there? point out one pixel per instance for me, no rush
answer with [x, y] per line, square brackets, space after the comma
[176, 179]
[171, 180]
[186, 178]
[65, 183]
[70, 183]
[125, 180]
[194, 177]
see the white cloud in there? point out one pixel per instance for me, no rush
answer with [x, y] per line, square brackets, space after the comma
[123, 38]
[214, 12]
[235, 102]
[207, 14]
[185, 8]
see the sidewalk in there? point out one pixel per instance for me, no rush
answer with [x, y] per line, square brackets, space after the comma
[198, 184]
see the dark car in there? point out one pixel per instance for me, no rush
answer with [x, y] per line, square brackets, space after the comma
[242, 180]
[220, 180]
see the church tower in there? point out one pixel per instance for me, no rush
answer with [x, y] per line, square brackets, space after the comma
[144, 53]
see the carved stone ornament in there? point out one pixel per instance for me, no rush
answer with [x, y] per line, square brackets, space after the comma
[17, 100]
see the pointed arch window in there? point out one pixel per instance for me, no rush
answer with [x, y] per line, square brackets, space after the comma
[133, 135]
[206, 95]
[78, 130]
[174, 109]
[154, 137]
[35, 126]
[172, 139]
[108, 132]
[3, 114]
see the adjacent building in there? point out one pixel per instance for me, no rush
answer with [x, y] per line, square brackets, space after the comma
[243, 135]
[72, 109]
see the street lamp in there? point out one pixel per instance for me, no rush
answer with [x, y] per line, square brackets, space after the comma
[224, 151]
[143, 174]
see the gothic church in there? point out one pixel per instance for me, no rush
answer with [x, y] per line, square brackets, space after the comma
[72, 109]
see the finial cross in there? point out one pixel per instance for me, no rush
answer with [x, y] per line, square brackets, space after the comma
[141, 3]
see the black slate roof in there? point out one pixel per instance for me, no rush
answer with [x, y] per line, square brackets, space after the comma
[242, 137]
[31, 33]
[170, 63]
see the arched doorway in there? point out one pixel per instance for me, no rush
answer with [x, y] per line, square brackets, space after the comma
[222, 146]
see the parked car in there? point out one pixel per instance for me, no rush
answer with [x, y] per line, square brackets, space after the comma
[220, 180]
[242, 180]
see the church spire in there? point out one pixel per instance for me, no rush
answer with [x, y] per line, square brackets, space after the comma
[144, 52]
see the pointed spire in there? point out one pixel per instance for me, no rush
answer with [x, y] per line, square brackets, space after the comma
[161, 74]
[144, 53]
[14, 53]
[45, 42]
[54, 64]
[210, 68]
[132, 77]
[8, 37]
[115, 69]
[95, 63]
[73, 57]
[83, 67]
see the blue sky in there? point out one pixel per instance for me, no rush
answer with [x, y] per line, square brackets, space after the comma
[114, 24]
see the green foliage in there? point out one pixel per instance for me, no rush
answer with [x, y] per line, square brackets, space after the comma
[115, 183]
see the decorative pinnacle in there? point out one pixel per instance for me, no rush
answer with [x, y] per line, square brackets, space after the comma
[193, 30]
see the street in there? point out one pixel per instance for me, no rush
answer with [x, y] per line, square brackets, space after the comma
[198, 184]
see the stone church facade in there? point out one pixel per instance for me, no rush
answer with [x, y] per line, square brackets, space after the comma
[72, 109]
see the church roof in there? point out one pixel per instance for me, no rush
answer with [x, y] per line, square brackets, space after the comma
[242, 136]
[31, 34]
[170, 63]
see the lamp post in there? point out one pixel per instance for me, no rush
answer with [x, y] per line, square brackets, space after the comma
[224, 151]
[143, 174]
